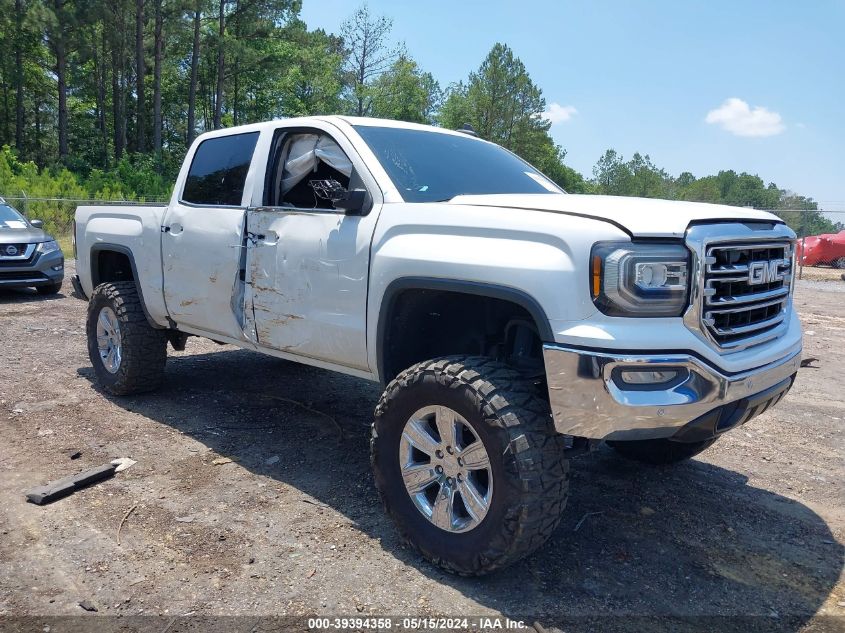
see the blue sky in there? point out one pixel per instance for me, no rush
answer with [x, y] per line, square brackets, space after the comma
[647, 76]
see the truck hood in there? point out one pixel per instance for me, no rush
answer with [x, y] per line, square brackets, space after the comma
[641, 217]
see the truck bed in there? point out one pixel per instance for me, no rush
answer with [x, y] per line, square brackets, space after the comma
[131, 228]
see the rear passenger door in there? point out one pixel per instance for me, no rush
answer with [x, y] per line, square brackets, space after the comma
[202, 237]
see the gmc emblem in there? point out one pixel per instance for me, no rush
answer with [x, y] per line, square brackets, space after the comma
[766, 272]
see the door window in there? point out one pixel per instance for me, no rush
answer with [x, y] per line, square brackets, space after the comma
[306, 167]
[218, 170]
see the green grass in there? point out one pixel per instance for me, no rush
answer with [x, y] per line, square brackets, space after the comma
[66, 243]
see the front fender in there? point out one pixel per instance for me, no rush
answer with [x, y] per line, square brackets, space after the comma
[536, 259]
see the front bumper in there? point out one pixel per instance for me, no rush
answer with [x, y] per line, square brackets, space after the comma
[589, 397]
[38, 270]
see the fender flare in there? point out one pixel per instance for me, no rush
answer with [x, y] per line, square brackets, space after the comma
[99, 247]
[478, 288]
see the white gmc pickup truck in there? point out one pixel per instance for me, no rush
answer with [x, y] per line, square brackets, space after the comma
[512, 324]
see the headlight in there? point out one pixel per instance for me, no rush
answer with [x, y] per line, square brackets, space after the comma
[639, 279]
[48, 247]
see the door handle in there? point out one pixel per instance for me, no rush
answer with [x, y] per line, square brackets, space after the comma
[268, 239]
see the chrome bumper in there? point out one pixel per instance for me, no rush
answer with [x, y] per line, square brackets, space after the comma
[590, 399]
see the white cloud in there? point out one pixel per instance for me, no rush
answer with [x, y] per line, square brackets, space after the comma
[740, 119]
[558, 113]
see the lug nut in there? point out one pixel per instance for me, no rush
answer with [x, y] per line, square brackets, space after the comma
[439, 469]
[449, 450]
[439, 453]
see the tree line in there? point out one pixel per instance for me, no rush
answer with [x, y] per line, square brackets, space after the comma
[639, 176]
[104, 96]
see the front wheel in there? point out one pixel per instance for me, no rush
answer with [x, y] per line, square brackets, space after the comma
[50, 289]
[661, 451]
[127, 353]
[468, 464]
[839, 263]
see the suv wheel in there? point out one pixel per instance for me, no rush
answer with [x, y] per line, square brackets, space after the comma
[50, 289]
[468, 464]
[127, 353]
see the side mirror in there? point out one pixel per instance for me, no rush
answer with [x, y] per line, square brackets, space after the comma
[352, 201]
[38, 224]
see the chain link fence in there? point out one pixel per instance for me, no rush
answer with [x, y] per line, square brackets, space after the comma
[816, 251]
[821, 256]
[57, 213]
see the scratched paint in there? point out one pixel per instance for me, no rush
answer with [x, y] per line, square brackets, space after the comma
[307, 287]
[207, 245]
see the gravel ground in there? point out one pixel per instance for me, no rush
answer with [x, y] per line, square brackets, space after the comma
[821, 273]
[291, 523]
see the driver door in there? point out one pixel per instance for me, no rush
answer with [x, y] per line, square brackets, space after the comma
[307, 262]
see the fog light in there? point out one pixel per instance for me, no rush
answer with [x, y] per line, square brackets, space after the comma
[57, 268]
[648, 377]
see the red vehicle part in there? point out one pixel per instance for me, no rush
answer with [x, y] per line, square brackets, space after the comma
[827, 249]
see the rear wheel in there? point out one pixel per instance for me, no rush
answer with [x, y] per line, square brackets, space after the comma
[127, 353]
[839, 262]
[468, 464]
[661, 451]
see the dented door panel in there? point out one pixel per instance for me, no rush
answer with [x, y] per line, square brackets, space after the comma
[306, 288]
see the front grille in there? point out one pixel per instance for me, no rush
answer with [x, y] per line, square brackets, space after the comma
[22, 255]
[12, 263]
[18, 249]
[22, 275]
[746, 291]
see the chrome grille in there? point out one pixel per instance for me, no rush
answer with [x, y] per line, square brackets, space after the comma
[746, 291]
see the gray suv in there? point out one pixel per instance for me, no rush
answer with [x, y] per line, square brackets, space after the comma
[28, 255]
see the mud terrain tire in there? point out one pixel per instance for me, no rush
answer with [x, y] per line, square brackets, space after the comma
[143, 348]
[526, 457]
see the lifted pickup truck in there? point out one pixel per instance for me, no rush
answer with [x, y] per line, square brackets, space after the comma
[512, 324]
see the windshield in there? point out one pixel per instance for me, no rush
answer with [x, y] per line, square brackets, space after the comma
[9, 218]
[431, 166]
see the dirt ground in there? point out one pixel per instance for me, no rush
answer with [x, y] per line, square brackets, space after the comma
[292, 524]
[821, 273]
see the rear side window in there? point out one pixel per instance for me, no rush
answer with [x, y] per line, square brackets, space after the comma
[218, 171]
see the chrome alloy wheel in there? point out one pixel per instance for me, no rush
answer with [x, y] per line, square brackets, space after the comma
[446, 469]
[108, 340]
